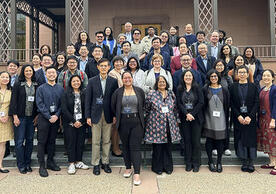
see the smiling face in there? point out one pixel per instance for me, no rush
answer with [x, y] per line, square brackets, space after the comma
[161, 84]
[107, 31]
[267, 78]
[60, 59]
[51, 74]
[127, 79]
[200, 37]
[226, 50]
[28, 72]
[46, 61]
[214, 37]
[83, 51]
[219, 67]
[36, 60]
[242, 74]
[173, 30]
[103, 67]
[45, 50]
[157, 63]
[72, 64]
[4, 78]
[186, 61]
[12, 68]
[128, 27]
[119, 64]
[202, 49]
[156, 44]
[83, 36]
[126, 47]
[76, 83]
[248, 53]
[99, 38]
[188, 78]
[229, 41]
[214, 78]
[132, 64]
[164, 37]
[70, 50]
[183, 49]
[239, 61]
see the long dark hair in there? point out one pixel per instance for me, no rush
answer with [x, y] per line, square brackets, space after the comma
[208, 76]
[222, 55]
[137, 61]
[155, 87]
[252, 59]
[21, 77]
[49, 49]
[110, 37]
[60, 53]
[182, 85]
[234, 59]
[70, 88]
[79, 37]
[224, 72]
[9, 84]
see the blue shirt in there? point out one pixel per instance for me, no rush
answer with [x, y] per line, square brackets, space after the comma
[205, 61]
[166, 57]
[128, 37]
[214, 51]
[83, 64]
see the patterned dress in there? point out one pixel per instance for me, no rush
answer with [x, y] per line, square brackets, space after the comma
[266, 137]
[6, 129]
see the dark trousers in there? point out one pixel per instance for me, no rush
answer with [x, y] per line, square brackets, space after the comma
[212, 144]
[131, 133]
[74, 142]
[226, 140]
[191, 131]
[24, 132]
[46, 137]
[162, 155]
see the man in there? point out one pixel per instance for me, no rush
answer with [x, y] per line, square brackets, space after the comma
[72, 65]
[48, 102]
[70, 50]
[91, 69]
[176, 64]
[214, 47]
[40, 76]
[156, 44]
[12, 68]
[99, 42]
[128, 29]
[147, 40]
[117, 51]
[83, 59]
[234, 49]
[97, 112]
[200, 36]
[203, 61]
[190, 37]
[137, 47]
[126, 47]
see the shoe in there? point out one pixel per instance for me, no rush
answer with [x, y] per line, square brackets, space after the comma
[158, 172]
[117, 155]
[96, 170]
[219, 168]
[196, 169]
[7, 153]
[71, 169]
[227, 152]
[266, 166]
[81, 165]
[29, 169]
[212, 167]
[22, 170]
[137, 183]
[244, 168]
[168, 171]
[215, 152]
[188, 167]
[4, 171]
[127, 175]
[52, 166]
[43, 172]
[106, 168]
[250, 168]
[273, 172]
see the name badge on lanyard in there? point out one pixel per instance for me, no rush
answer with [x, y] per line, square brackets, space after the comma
[2, 114]
[52, 109]
[189, 106]
[30, 98]
[127, 109]
[99, 100]
[216, 113]
[165, 109]
[243, 109]
[78, 116]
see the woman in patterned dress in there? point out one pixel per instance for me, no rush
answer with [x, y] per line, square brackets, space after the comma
[6, 130]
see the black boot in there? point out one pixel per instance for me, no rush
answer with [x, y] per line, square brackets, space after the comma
[52, 165]
[42, 171]
[244, 166]
[250, 165]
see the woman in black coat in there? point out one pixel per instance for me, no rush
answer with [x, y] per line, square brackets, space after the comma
[72, 106]
[244, 106]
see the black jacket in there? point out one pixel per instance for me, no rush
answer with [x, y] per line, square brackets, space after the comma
[91, 69]
[89, 46]
[67, 107]
[94, 91]
[40, 77]
[106, 52]
[18, 100]
[116, 104]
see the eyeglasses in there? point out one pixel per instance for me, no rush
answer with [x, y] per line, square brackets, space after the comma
[213, 76]
[99, 36]
[103, 66]
[242, 72]
[137, 33]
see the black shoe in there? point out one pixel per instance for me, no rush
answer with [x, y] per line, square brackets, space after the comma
[168, 171]
[196, 169]
[250, 168]
[188, 167]
[244, 168]
[4, 171]
[96, 170]
[106, 168]
[43, 172]
[212, 167]
[119, 155]
[219, 168]
[7, 153]
[52, 166]
[158, 172]
[29, 169]
[22, 170]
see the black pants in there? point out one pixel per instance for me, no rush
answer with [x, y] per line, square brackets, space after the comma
[131, 133]
[162, 155]
[46, 137]
[191, 131]
[212, 144]
[226, 140]
[74, 142]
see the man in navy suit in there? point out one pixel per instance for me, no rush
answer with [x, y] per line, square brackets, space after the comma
[40, 76]
[203, 61]
[99, 115]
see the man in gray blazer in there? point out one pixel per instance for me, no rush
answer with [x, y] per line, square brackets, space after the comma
[214, 47]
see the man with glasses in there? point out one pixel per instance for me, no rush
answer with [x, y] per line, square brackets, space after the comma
[128, 28]
[137, 47]
[147, 40]
[98, 115]
[99, 42]
[46, 61]
[91, 69]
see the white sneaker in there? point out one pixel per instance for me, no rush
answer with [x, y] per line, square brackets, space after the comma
[215, 152]
[71, 169]
[81, 165]
[127, 175]
[227, 152]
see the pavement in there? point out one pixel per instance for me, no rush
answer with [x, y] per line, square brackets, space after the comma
[231, 180]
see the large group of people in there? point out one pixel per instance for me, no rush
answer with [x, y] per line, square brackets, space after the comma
[161, 89]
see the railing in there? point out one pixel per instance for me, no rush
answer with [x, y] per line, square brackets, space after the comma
[21, 55]
[263, 51]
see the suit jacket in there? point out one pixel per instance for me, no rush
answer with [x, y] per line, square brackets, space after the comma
[201, 67]
[209, 50]
[89, 46]
[40, 77]
[94, 91]
[116, 104]
[91, 69]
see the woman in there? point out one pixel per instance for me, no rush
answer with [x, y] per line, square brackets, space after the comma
[36, 61]
[24, 111]
[222, 35]
[176, 49]
[226, 54]
[173, 38]
[161, 125]
[165, 43]
[152, 74]
[190, 101]
[216, 111]
[253, 64]
[108, 39]
[128, 105]
[244, 106]
[72, 107]
[266, 134]
[45, 49]
[239, 61]
[60, 62]
[118, 63]
[138, 74]
[6, 132]
[83, 39]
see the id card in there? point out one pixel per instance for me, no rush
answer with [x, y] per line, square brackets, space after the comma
[189, 106]
[78, 116]
[127, 109]
[243, 109]
[99, 101]
[165, 109]
[52, 109]
[216, 113]
[30, 98]
[2, 114]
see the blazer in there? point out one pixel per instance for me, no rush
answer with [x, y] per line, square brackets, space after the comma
[94, 91]
[210, 53]
[257, 74]
[176, 65]
[67, 107]
[79, 44]
[91, 69]
[272, 101]
[201, 67]
[40, 77]
[18, 100]
[116, 104]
